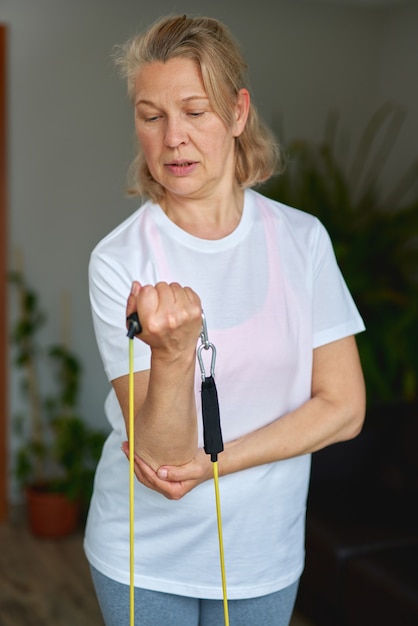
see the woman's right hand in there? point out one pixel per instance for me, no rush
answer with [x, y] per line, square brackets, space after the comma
[164, 397]
[170, 316]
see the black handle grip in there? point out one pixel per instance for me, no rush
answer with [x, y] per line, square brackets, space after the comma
[212, 434]
[134, 325]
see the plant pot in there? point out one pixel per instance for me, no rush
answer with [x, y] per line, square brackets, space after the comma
[51, 514]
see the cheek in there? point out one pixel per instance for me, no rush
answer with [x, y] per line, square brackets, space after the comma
[148, 146]
[219, 143]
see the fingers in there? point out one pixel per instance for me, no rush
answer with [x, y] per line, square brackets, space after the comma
[173, 490]
[178, 473]
[170, 304]
[164, 309]
[169, 487]
[146, 475]
[131, 302]
[199, 469]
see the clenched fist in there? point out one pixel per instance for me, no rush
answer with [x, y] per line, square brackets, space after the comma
[170, 316]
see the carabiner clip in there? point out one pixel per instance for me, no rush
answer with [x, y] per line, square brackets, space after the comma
[206, 345]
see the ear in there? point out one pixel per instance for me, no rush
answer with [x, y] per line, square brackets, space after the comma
[242, 109]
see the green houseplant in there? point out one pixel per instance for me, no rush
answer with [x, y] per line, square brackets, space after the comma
[58, 452]
[375, 240]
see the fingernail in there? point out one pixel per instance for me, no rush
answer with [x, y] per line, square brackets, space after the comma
[162, 473]
[134, 288]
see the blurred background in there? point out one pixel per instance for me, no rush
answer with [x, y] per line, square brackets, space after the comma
[335, 79]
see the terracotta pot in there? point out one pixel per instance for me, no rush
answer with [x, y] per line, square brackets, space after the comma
[51, 514]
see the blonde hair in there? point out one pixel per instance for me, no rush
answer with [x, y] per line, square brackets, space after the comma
[210, 44]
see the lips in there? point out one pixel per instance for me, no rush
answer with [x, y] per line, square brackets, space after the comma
[181, 168]
[180, 163]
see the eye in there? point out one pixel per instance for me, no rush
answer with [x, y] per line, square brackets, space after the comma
[195, 115]
[147, 116]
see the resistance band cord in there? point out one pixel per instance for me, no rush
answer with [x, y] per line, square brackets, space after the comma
[134, 327]
[212, 440]
[131, 488]
[213, 445]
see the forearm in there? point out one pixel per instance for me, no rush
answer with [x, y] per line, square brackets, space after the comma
[315, 425]
[166, 423]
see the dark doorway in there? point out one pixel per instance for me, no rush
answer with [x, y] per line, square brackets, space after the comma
[3, 283]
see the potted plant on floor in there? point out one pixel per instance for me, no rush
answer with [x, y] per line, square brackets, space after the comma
[58, 452]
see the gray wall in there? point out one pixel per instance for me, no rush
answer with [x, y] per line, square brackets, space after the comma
[71, 133]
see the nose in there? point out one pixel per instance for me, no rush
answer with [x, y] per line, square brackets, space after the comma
[175, 132]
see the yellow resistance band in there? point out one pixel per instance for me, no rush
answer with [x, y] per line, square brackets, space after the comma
[221, 543]
[131, 487]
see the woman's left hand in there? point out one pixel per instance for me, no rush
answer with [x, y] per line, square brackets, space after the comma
[171, 481]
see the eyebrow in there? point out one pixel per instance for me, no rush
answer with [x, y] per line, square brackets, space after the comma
[184, 100]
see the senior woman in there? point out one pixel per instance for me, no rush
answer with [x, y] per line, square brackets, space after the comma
[278, 311]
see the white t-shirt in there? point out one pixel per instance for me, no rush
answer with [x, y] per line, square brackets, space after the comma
[271, 292]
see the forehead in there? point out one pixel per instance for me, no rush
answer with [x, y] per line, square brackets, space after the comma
[175, 78]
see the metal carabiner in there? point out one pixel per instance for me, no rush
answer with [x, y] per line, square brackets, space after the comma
[204, 338]
[212, 363]
[206, 345]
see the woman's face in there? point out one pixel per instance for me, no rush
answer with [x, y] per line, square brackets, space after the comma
[187, 147]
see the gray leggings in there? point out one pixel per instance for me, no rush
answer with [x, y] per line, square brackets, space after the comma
[153, 608]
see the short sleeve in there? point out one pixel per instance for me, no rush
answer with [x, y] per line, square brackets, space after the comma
[109, 287]
[335, 314]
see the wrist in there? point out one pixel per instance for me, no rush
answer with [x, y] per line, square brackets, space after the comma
[183, 359]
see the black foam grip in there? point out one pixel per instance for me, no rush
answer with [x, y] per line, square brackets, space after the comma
[212, 434]
[134, 325]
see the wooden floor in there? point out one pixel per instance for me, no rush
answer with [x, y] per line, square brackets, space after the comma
[47, 582]
[44, 582]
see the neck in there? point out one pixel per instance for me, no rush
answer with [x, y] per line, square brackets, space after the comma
[212, 218]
